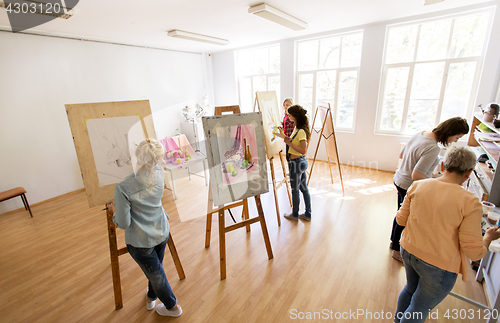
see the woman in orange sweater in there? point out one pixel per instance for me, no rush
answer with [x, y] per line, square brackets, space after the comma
[443, 225]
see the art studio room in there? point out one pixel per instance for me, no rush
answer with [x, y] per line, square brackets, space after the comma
[238, 161]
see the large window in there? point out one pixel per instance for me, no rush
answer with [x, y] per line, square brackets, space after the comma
[257, 70]
[430, 72]
[328, 71]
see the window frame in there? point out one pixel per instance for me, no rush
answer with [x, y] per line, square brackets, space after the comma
[338, 71]
[251, 77]
[479, 60]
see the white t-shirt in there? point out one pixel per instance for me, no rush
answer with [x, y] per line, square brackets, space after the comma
[419, 154]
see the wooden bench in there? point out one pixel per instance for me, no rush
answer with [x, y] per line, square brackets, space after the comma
[18, 191]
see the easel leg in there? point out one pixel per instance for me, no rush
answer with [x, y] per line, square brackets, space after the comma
[264, 227]
[115, 265]
[330, 167]
[222, 244]
[209, 227]
[287, 180]
[175, 257]
[246, 215]
[271, 164]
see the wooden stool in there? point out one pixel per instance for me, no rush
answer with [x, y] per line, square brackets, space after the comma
[16, 192]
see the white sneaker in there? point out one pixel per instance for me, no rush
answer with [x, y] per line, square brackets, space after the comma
[160, 309]
[150, 305]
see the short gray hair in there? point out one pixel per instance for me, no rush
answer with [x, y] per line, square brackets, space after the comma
[459, 160]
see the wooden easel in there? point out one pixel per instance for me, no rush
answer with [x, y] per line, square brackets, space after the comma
[115, 253]
[245, 215]
[327, 132]
[78, 116]
[285, 181]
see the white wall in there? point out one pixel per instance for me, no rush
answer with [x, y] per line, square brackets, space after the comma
[39, 75]
[363, 147]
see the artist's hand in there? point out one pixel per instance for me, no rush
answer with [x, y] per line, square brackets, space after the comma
[280, 134]
[491, 235]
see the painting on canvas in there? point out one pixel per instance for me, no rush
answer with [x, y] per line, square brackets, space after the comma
[236, 156]
[268, 105]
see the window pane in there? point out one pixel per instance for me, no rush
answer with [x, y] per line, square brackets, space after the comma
[308, 55]
[326, 85]
[261, 61]
[433, 42]
[458, 90]
[394, 98]
[274, 59]
[427, 80]
[468, 36]
[421, 115]
[259, 83]
[325, 91]
[351, 50]
[329, 53]
[347, 96]
[401, 47]
[274, 85]
[306, 92]
[246, 95]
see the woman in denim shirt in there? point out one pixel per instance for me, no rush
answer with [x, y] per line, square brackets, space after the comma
[297, 164]
[140, 213]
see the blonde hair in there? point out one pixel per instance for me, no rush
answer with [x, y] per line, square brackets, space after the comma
[149, 153]
[288, 100]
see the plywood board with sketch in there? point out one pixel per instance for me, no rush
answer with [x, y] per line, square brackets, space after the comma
[268, 105]
[105, 136]
[236, 156]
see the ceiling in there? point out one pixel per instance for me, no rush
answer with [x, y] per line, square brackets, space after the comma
[146, 22]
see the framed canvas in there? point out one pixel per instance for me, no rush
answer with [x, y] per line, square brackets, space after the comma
[105, 136]
[236, 156]
[268, 105]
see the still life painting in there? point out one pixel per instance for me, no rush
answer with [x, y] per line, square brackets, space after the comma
[236, 156]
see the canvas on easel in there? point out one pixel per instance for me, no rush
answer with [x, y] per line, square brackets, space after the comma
[267, 103]
[327, 133]
[236, 156]
[229, 158]
[105, 134]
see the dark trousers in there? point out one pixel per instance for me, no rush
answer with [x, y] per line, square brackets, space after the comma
[151, 262]
[396, 228]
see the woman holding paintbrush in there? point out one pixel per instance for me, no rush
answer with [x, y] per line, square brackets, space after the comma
[297, 165]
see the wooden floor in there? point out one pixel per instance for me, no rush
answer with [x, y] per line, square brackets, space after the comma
[55, 267]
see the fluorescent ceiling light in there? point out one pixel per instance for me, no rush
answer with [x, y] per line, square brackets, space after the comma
[197, 37]
[427, 2]
[266, 11]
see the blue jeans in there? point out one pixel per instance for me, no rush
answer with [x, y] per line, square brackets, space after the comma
[298, 181]
[151, 262]
[397, 229]
[426, 286]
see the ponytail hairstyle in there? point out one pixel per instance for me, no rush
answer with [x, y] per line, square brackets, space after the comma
[149, 153]
[301, 120]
